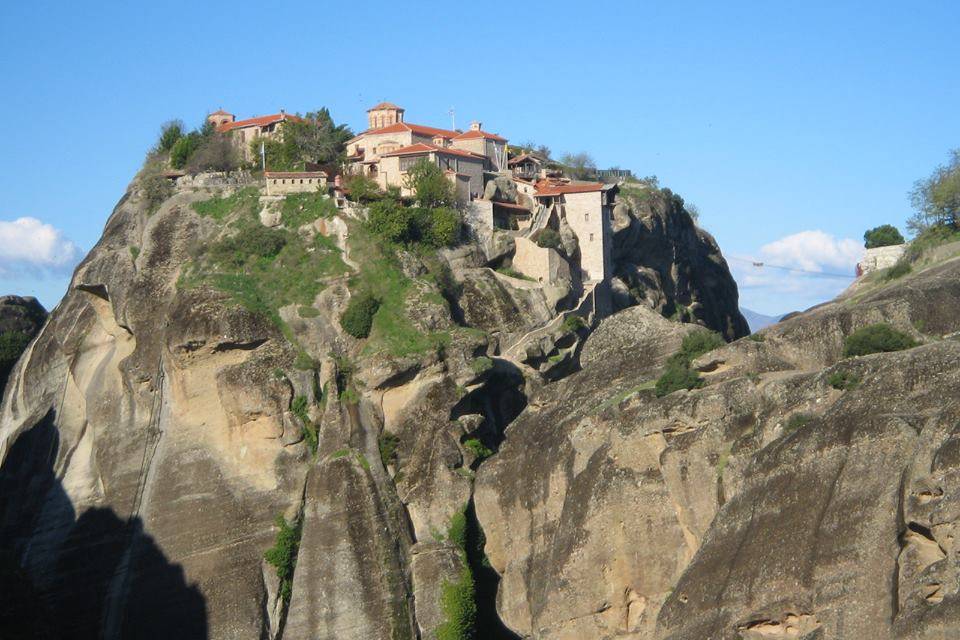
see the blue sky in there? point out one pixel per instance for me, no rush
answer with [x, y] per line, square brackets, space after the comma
[775, 119]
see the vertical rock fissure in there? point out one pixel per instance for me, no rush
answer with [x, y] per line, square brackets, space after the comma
[119, 590]
[298, 522]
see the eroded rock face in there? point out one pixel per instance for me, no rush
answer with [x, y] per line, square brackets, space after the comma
[149, 441]
[768, 504]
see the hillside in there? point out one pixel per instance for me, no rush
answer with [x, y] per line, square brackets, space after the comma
[196, 446]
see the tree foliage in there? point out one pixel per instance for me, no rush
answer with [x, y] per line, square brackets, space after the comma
[431, 186]
[183, 148]
[357, 319]
[885, 235]
[876, 338]
[936, 199]
[313, 138]
[579, 165]
[215, 152]
[12, 344]
[170, 133]
[283, 554]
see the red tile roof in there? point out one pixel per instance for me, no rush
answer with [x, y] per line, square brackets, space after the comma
[259, 121]
[522, 158]
[423, 147]
[415, 128]
[385, 105]
[469, 135]
[221, 112]
[550, 188]
[294, 174]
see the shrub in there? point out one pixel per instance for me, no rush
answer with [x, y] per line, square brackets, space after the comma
[843, 380]
[883, 236]
[184, 147]
[572, 323]
[307, 429]
[478, 449]
[431, 186]
[876, 338]
[796, 421]
[283, 554]
[134, 252]
[481, 365]
[898, 270]
[757, 337]
[549, 239]
[698, 343]
[390, 220]
[444, 229]
[214, 153]
[930, 238]
[357, 319]
[387, 443]
[299, 209]
[362, 189]
[250, 242]
[156, 189]
[170, 133]
[678, 376]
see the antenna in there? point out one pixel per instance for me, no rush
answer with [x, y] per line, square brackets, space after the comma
[453, 119]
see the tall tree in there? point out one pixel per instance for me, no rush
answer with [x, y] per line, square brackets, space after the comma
[936, 199]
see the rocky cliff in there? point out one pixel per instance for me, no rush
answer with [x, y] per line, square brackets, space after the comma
[194, 447]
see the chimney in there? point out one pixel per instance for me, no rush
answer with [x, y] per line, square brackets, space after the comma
[475, 125]
[282, 112]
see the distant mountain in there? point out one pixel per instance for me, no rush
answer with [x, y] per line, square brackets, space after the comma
[758, 321]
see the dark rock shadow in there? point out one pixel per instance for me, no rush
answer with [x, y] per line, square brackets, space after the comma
[94, 576]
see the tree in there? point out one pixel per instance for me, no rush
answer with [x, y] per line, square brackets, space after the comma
[580, 165]
[693, 210]
[883, 236]
[430, 185]
[183, 148]
[316, 138]
[936, 199]
[361, 188]
[214, 153]
[170, 132]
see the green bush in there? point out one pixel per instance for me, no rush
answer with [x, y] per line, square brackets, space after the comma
[757, 337]
[549, 239]
[883, 236]
[796, 421]
[929, 239]
[432, 188]
[481, 365]
[876, 338]
[308, 430]
[357, 319]
[362, 189]
[170, 133]
[219, 208]
[444, 227]
[156, 189]
[678, 376]
[283, 554]
[250, 242]
[183, 148]
[572, 323]
[388, 443]
[390, 220]
[698, 343]
[478, 449]
[843, 380]
[898, 270]
[299, 209]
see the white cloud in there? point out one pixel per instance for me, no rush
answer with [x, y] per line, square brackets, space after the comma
[814, 267]
[813, 251]
[30, 245]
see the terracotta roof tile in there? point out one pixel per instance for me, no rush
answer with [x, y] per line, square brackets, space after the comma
[385, 105]
[549, 188]
[423, 147]
[470, 135]
[259, 121]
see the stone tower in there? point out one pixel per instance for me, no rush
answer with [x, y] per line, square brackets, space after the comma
[220, 117]
[384, 115]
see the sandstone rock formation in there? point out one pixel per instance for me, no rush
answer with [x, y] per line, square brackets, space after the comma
[166, 417]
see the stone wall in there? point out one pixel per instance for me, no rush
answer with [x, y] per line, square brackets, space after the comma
[304, 184]
[540, 263]
[880, 258]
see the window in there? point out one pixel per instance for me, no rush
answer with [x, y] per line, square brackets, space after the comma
[586, 218]
[591, 237]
